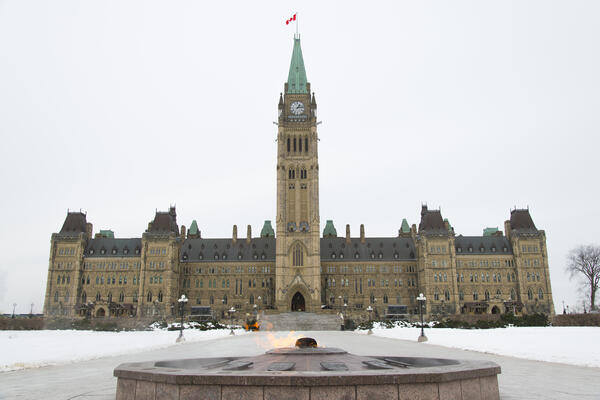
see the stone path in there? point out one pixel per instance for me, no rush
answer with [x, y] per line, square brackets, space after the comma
[93, 380]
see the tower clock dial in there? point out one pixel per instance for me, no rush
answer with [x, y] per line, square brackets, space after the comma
[297, 108]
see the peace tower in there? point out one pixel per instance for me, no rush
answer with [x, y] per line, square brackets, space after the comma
[297, 264]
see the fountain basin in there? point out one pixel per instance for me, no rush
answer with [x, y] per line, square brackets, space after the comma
[311, 373]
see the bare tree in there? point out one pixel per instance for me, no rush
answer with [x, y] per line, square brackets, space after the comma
[583, 262]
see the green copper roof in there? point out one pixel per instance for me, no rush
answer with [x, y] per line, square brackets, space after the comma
[405, 228]
[267, 230]
[449, 226]
[107, 233]
[329, 229]
[297, 76]
[489, 231]
[193, 228]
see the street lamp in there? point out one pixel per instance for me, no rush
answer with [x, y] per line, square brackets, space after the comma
[370, 310]
[182, 300]
[231, 312]
[421, 299]
[14, 306]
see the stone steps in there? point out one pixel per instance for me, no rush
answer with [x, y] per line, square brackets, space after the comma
[299, 321]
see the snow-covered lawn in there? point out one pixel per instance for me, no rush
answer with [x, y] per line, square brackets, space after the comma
[569, 345]
[30, 349]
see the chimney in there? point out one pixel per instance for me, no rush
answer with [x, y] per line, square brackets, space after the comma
[347, 233]
[249, 235]
[183, 231]
[362, 233]
[507, 229]
[89, 230]
[234, 235]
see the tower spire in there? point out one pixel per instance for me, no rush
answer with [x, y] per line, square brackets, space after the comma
[296, 82]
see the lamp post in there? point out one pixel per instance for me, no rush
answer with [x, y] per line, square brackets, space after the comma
[370, 310]
[231, 311]
[421, 299]
[182, 300]
[14, 306]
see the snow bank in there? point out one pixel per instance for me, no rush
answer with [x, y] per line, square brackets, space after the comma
[568, 345]
[30, 349]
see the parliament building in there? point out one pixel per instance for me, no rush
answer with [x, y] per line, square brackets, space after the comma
[296, 266]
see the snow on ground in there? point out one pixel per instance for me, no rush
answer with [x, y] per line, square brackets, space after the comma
[30, 349]
[568, 345]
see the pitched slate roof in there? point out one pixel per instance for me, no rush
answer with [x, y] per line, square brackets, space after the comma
[211, 250]
[74, 223]
[520, 220]
[164, 222]
[111, 247]
[381, 249]
[431, 221]
[490, 245]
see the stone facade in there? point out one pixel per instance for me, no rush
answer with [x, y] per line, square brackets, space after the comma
[298, 269]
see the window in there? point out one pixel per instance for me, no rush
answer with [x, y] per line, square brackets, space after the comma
[160, 297]
[149, 297]
[98, 297]
[475, 296]
[385, 299]
[288, 145]
[461, 296]
[436, 295]
[121, 297]
[225, 299]
[110, 297]
[447, 295]
[540, 294]
[513, 295]
[530, 294]
[298, 256]
[83, 297]
[487, 295]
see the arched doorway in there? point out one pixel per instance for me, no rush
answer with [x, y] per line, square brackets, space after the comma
[100, 312]
[495, 310]
[298, 302]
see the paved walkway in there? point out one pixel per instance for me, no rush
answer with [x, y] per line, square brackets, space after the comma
[520, 379]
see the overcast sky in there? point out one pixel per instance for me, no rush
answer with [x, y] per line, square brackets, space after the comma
[119, 108]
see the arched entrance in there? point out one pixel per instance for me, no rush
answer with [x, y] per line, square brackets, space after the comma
[495, 310]
[298, 302]
[100, 312]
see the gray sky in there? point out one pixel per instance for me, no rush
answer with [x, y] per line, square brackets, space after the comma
[121, 107]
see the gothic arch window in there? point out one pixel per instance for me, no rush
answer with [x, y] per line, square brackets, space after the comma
[251, 299]
[83, 297]
[121, 297]
[513, 295]
[447, 295]
[487, 295]
[530, 294]
[298, 256]
[385, 299]
[475, 296]
[461, 296]
[110, 297]
[292, 173]
[300, 145]
[436, 295]
[67, 296]
[372, 298]
[98, 297]
[160, 297]
[288, 145]
[303, 173]
[224, 299]
[294, 145]
[306, 145]
[55, 297]
[212, 299]
[149, 297]
[540, 294]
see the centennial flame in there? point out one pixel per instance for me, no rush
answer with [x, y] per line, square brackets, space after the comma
[273, 341]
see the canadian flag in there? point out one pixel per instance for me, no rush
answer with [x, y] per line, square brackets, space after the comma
[287, 22]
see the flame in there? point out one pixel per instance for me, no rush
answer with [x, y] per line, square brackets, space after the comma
[272, 341]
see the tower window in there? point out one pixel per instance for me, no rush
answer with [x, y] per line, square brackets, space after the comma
[294, 145]
[292, 174]
[288, 145]
[298, 256]
[306, 145]
[300, 145]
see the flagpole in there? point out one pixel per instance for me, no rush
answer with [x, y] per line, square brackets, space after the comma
[297, 24]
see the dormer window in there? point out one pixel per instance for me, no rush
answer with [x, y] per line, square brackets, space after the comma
[216, 256]
[470, 249]
[356, 255]
[372, 255]
[114, 251]
[185, 256]
[137, 250]
[396, 255]
[493, 249]
[333, 255]
[223, 256]
[201, 256]
[103, 251]
[91, 251]
[481, 249]
[263, 256]
[255, 256]
[504, 249]
[341, 255]
[125, 250]
[459, 249]
[380, 255]
[239, 256]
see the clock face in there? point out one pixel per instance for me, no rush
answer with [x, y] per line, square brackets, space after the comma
[297, 108]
